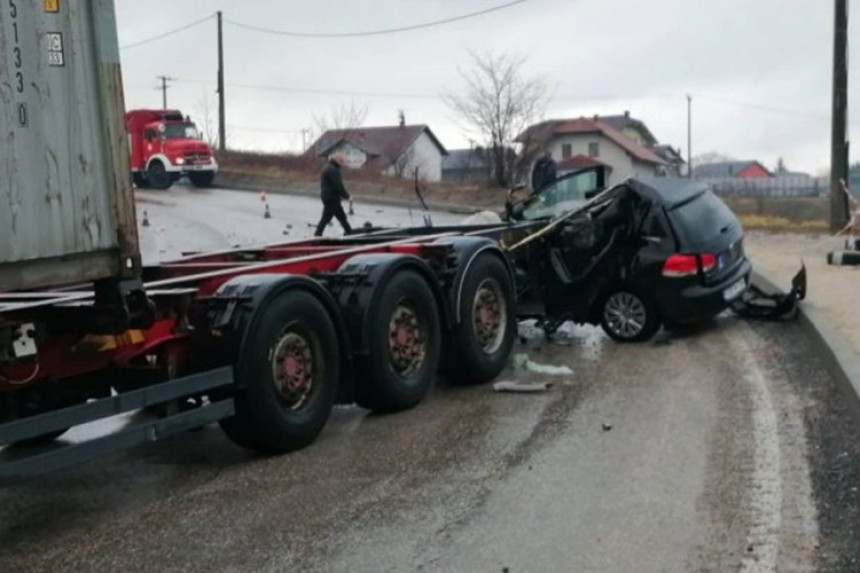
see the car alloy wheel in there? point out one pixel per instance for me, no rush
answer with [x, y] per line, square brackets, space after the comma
[625, 314]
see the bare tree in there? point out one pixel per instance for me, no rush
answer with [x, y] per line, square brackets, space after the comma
[499, 102]
[342, 117]
[406, 164]
[208, 120]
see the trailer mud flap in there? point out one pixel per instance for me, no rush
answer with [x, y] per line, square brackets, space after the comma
[757, 304]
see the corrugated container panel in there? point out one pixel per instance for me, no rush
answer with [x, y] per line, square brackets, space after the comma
[66, 203]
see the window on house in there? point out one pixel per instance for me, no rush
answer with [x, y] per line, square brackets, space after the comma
[594, 149]
[566, 151]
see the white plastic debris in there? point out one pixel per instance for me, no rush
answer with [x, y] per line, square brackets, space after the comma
[522, 362]
[525, 387]
[530, 334]
[482, 218]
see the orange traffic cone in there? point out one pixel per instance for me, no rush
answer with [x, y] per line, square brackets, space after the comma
[145, 221]
[267, 214]
[262, 196]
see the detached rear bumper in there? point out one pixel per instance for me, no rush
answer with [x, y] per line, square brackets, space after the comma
[691, 303]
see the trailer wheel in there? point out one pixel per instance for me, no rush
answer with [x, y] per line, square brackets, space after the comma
[288, 369]
[202, 178]
[158, 176]
[480, 344]
[404, 339]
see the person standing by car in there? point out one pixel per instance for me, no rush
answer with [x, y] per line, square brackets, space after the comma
[332, 192]
[544, 171]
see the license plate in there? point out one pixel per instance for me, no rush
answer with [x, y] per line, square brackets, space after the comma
[735, 290]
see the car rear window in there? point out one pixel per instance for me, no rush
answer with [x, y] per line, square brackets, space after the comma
[701, 220]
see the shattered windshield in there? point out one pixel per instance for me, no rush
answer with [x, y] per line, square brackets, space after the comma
[561, 195]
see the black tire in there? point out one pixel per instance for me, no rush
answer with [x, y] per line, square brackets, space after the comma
[157, 176]
[628, 315]
[139, 180]
[272, 417]
[389, 378]
[477, 348]
[201, 178]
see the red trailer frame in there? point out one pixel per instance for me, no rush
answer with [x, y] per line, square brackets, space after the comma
[186, 357]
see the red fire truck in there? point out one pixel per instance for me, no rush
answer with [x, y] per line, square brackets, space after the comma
[165, 145]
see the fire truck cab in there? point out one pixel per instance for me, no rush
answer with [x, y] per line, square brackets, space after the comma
[165, 145]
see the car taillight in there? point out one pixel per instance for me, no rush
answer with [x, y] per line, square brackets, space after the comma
[677, 266]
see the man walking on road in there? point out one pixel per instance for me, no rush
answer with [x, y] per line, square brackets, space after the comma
[332, 192]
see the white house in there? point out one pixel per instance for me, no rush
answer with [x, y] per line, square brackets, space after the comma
[397, 151]
[582, 142]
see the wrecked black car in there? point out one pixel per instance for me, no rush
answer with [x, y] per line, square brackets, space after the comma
[644, 253]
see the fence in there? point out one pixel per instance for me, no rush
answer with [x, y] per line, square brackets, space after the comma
[771, 187]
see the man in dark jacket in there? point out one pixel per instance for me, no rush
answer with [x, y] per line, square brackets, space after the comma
[332, 192]
[543, 172]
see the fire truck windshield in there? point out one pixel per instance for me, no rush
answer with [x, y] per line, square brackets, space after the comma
[181, 131]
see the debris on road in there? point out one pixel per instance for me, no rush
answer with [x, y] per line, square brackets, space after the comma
[606, 427]
[530, 334]
[522, 362]
[755, 303]
[524, 387]
[841, 258]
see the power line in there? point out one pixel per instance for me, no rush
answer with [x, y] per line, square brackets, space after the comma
[761, 107]
[263, 129]
[314, 91]
[168, 33]
[374, 32]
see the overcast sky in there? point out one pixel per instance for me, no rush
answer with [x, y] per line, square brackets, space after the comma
[759, 71]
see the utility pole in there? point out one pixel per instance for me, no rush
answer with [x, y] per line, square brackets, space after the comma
[222, 127]
[305, 131]
[163, 88]
[689, 136]
[839, 143]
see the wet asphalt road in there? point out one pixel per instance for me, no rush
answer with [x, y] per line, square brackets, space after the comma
[723, 449]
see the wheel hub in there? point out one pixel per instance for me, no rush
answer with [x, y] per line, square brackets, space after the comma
[625, 314]
[292, 365]
[406, 341]
[490, 315]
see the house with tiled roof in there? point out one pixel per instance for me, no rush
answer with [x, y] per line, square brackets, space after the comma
[633, 128]
[393, 150]
[583, 142]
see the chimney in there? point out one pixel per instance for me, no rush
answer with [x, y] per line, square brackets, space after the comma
[402, 117]
[627, 113]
